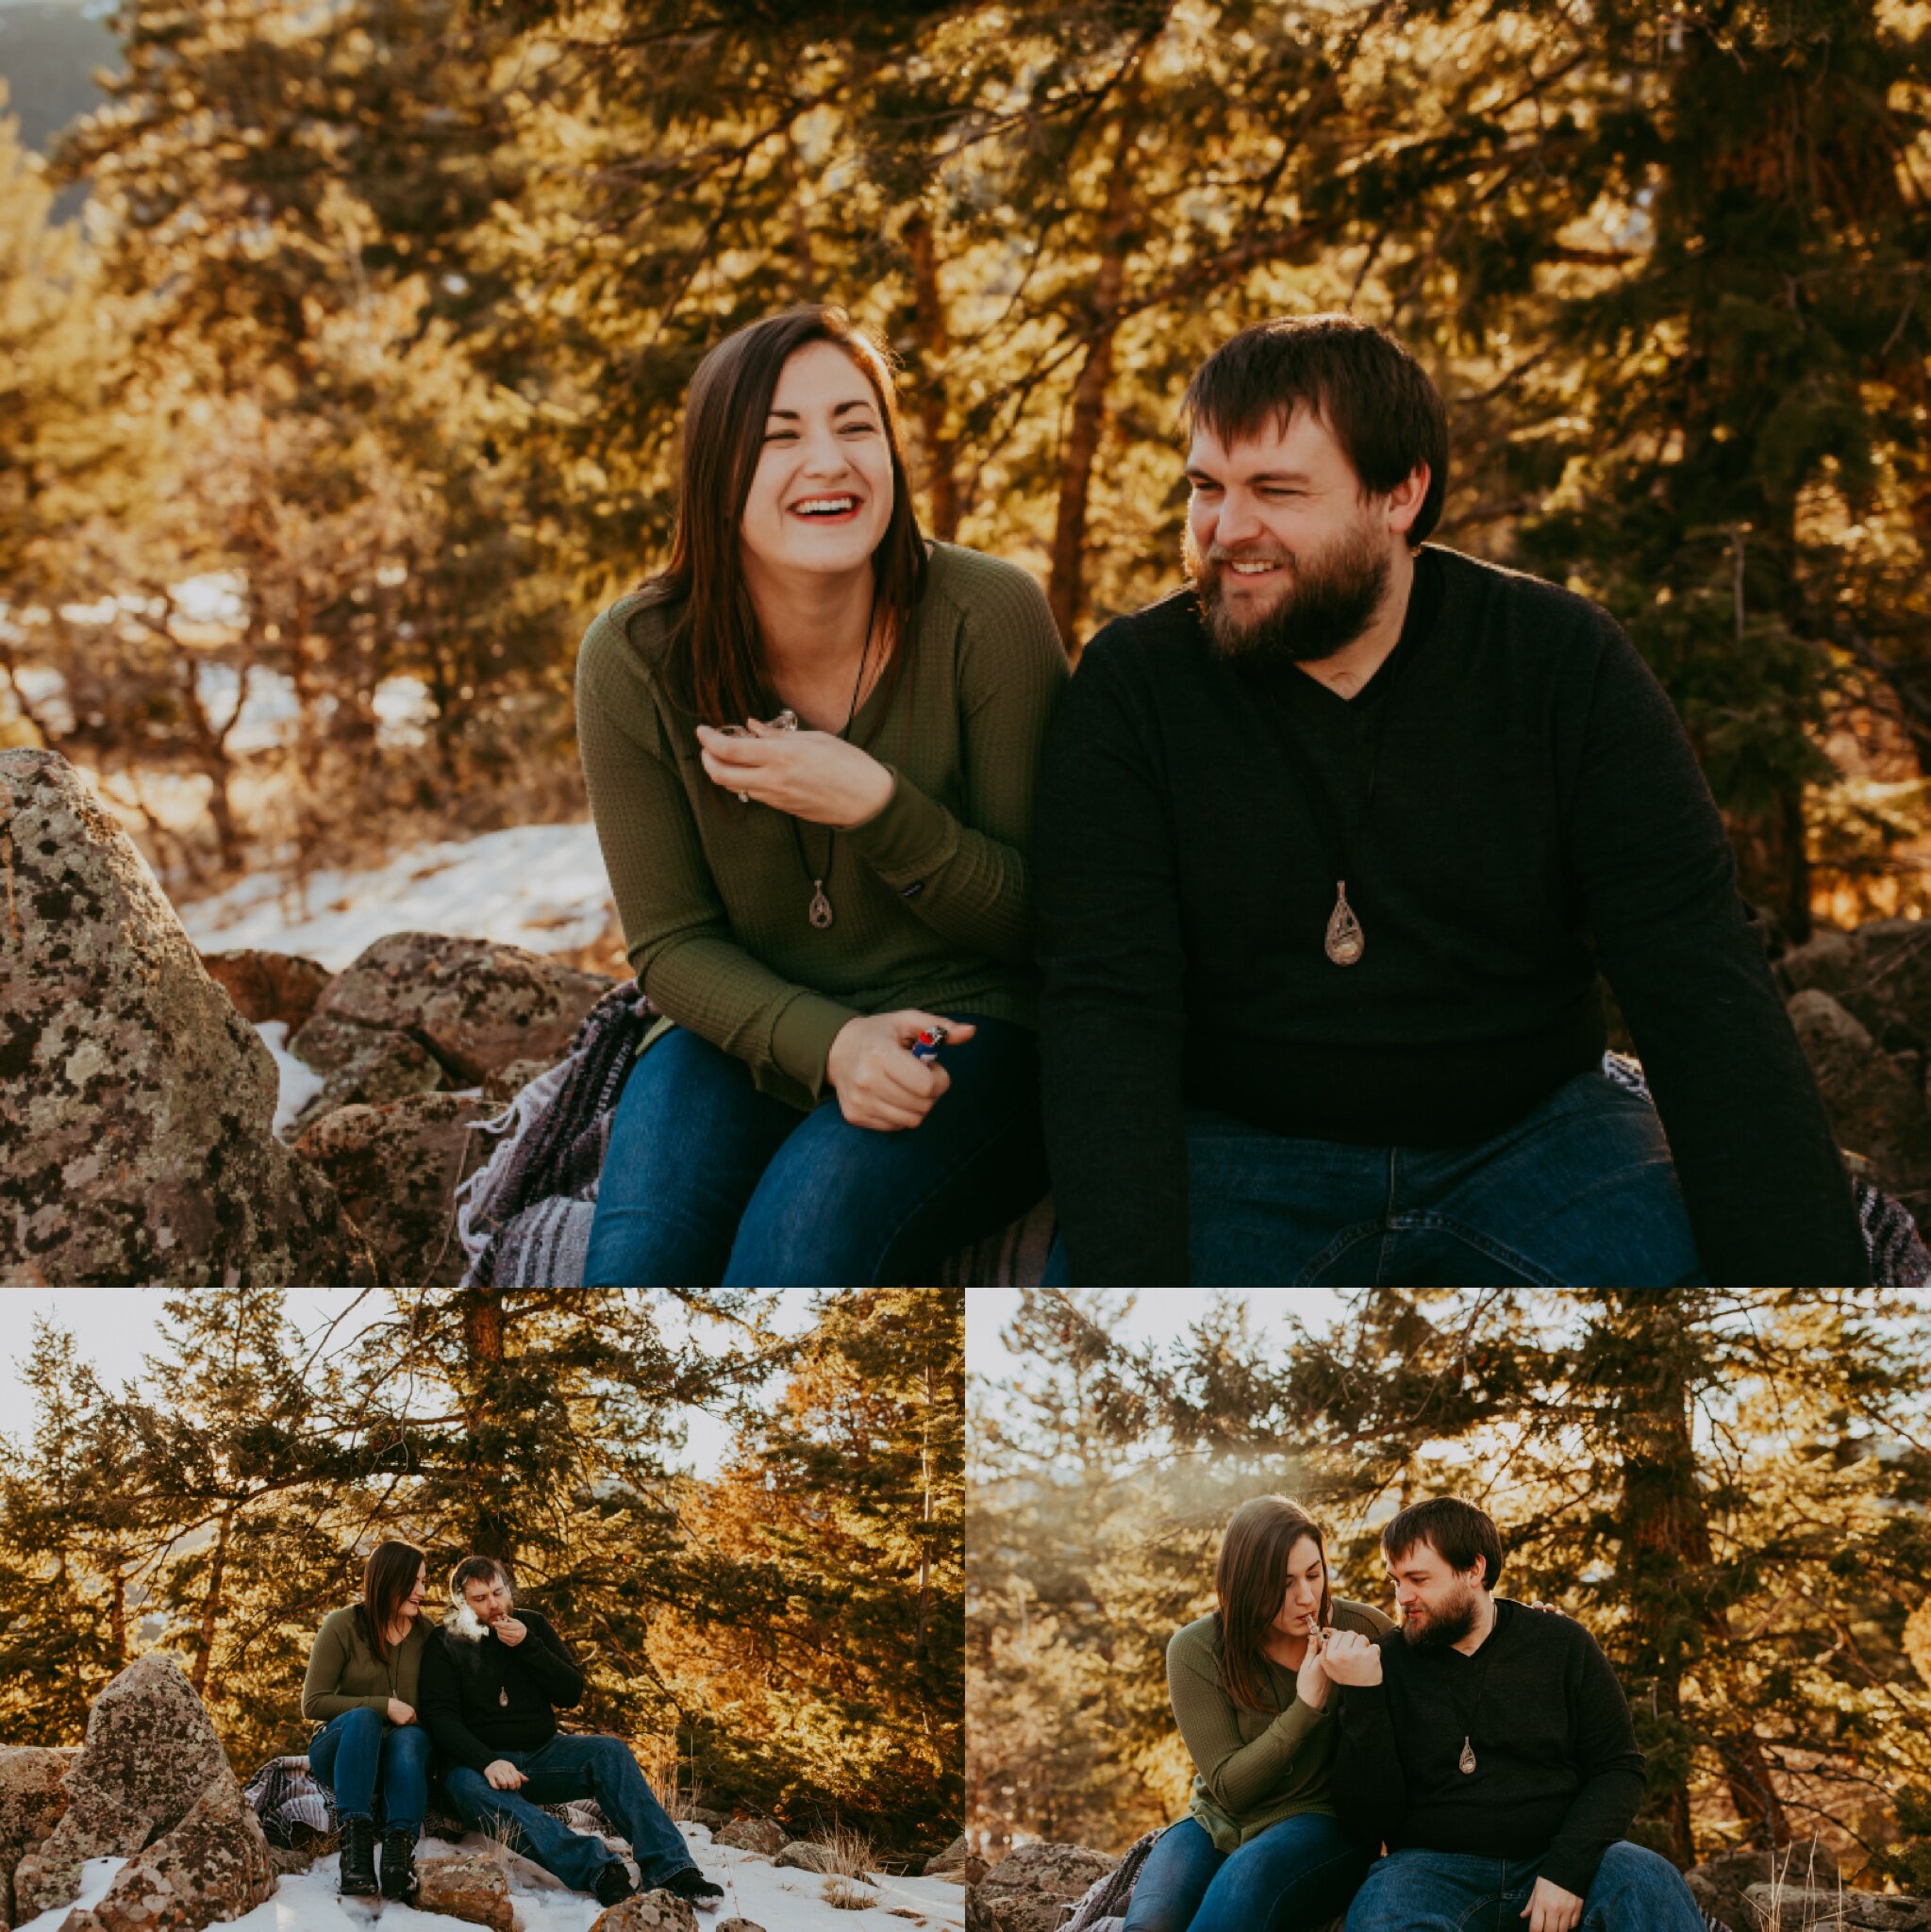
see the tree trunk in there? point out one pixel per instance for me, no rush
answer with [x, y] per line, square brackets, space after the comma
[1066, 587]
[929, 325]
[211, 1604]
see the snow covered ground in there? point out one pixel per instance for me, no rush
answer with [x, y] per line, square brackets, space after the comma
[542, 887]
[780, 1901]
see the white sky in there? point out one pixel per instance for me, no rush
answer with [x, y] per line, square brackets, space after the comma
[1146, 1314]
[116, 1327]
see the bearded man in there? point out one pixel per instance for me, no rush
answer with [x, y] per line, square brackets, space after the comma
[1488, 1747]
[492, 1682]
[1333, 849]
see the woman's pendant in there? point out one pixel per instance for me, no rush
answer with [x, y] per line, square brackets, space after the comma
[1468, 1759]
[502, 1698]
[1346, 945]
[820, 906]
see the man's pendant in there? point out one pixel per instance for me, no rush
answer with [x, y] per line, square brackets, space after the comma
[820, 906]
[1468, 1759]
[1344, 942]
[502, 1698]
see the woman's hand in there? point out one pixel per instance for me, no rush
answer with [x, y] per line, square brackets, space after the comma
[1348, 1658]
[1312, 1683]
[401, 1714]
[879, 1084]
[811, 775]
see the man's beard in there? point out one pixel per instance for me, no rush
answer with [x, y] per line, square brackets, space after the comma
[1329, 601]
[1443, 1629]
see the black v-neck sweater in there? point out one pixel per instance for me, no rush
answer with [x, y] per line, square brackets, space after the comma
[1536, 816]
[1557, 1775]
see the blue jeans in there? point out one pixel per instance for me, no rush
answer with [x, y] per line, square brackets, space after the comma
[1295, 1874]
[600, 1767]
[1634, 1890]
[360, 1754]
[707, 1180]
[1580, 1191]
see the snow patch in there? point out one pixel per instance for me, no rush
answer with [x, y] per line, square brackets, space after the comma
[95, 1877]
[539, 887]
[300, 1082]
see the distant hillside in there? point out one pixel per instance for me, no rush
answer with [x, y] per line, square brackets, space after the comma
[49, 50]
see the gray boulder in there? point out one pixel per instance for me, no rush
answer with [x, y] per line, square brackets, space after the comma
[476, 1006]
[1816, 1908]
[269, 986]
[33, 1794]
[135, 1104]
[1876, 1109]
[648, 1911]
[1029, 1889]
[764, 1836]
[471, 1886]
[151, 1756]
[213, 1866]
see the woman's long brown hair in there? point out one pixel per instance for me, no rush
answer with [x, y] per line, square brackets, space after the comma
[1251, 1582]
[714, 665]
[387, 1577]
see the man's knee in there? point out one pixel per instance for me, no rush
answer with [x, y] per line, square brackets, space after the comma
[468, 1790]
[1632, 1876]
[612, 1757]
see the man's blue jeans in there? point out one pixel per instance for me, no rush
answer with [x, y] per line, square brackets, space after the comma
[1634, 1890]
[574, 1767]
[357, 1761]
[1580, 1191]
[1296, 1873]
[706, 1180]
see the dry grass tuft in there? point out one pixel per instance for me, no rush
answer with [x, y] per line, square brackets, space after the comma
[852, 1852]
[848, 1895]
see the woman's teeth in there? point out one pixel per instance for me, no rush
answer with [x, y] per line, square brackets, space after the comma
[827, 506]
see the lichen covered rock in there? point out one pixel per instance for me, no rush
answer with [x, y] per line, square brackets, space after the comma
[269, 986]
[649, 1911]
[1029, 1889]
[764, 1836]
[395, 1168]
[475, 1005]
[213, 1866]
[33, 1794]
[151, 1755]
[135, 1104]
[470, 1885]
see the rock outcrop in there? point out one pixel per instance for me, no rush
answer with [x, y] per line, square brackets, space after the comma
[1876, 1099]
[803, 1856]
[953, 1858]
[764, 1836]
[469, 1885]
[151, 1755]
[649, 1911]
[151, 1785]
[33, 1794]
[1719, 1885]
[135, 1104]
[213, 1866]
[1799, 1908]
[395, 1168]
[474, 1006]
[1028, 1890]
[269, 986]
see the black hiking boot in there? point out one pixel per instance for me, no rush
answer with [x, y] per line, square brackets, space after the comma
[357, 1880]
[613, 1885]
[399, 1863]
[691, 1883]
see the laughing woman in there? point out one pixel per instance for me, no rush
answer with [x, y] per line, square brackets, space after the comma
[361, 1685]
[1260, 1849]
[810, 745]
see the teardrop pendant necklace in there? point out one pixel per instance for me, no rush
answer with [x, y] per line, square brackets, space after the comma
[819, 913]
[1343, 942]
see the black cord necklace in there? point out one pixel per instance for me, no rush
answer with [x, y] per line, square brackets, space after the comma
[1344, 942]
[819, 913]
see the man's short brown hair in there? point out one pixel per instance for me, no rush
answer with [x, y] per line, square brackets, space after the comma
[1458, 1532]
[1378, 401]
[480, 1570]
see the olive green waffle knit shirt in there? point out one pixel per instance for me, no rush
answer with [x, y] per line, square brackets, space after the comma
[932, 898]
[1254, 1767]
[344, 1672]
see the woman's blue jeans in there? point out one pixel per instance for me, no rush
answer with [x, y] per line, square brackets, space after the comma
[709, 1181]
[1295, 1875]
[360, 1756]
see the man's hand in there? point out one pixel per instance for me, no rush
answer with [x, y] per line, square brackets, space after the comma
[1551, 1909]
[401, 1714]
[1312, 1683]
[1349, 1658]
[503, 1774]
[510, 1631]
[879, 1081]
